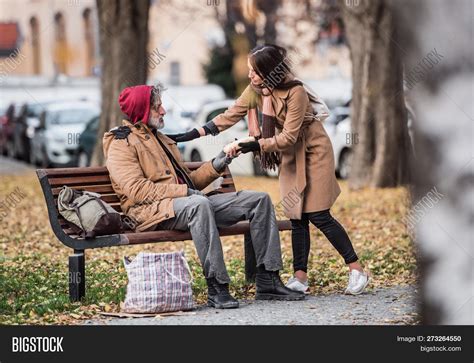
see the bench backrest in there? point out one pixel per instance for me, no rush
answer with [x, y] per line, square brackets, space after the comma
[93, 179]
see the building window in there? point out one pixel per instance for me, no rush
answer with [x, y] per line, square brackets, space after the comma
[89, 41]
[60, 44]
[175, 73]
[35, 45]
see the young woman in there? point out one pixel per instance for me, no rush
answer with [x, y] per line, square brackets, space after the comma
[290, 135]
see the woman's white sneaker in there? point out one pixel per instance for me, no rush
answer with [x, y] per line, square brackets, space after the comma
[296, 285]
[358, 281]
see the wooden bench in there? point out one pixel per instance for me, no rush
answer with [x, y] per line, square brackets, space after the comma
[96, 179]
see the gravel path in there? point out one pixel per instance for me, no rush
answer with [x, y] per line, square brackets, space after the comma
[396, 305]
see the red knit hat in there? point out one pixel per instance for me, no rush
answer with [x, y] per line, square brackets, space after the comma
[135, 103]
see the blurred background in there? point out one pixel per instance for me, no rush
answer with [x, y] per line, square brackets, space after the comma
[53, 63]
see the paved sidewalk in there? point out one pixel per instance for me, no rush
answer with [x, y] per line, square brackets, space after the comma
[395, 305]
[14, 167]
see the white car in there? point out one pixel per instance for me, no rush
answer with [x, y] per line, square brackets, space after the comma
[338, 128]
[56, 138]
[205, 148]
[182, 103]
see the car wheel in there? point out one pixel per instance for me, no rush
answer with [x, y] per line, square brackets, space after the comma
[44, 162]
[195, 156]
[345, 163]
[33, 158]
[82, 159]
[10, 150]
[26, 151]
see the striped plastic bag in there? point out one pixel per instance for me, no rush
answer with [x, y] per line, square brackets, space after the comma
[157, 283]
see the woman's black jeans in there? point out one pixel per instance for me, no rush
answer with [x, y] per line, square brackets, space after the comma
[330, 227]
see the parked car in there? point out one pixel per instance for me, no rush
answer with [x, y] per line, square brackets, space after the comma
[3, 139]
[57, 136]
[184, 102]
[205, 148]
[335, 91]
[32, 115]
[87, 141]
[173, 127]
[23, 129]
[338, 128]
[7, 122]
[20, 143]
[89, 137]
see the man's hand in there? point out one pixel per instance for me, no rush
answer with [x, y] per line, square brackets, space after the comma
[231, 149]
[221, 161]
[246, 147]
[185, 136]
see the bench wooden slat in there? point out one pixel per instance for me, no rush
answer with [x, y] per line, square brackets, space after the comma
[101, 170]
[80, 180]
[174, 235]
[113, 199]
[108, 189]
[227, 190]
[65, 172]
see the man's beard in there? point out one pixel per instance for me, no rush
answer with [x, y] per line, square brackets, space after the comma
[156, 122]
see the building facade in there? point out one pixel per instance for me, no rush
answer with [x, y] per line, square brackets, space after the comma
[52, 37]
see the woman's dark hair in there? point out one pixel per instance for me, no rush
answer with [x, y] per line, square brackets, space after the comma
[272, 64]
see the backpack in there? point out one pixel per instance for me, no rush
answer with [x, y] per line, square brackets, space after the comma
[88, 212]
[320, 109]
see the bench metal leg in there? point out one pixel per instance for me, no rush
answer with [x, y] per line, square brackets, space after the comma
[250, 259]
[77, 276]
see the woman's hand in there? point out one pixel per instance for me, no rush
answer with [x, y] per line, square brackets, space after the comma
[233, 149]
[233, 152]
[186, 136]
[246, 147]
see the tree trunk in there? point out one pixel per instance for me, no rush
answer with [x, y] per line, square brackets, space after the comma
[123, 34]
[270, 9]
[240, 44]
[437, 43]
[379, 135]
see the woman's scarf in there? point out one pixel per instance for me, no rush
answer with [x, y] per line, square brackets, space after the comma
[268, 160]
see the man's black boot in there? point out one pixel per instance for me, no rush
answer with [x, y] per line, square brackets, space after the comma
[270, 287]
[218, 295]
